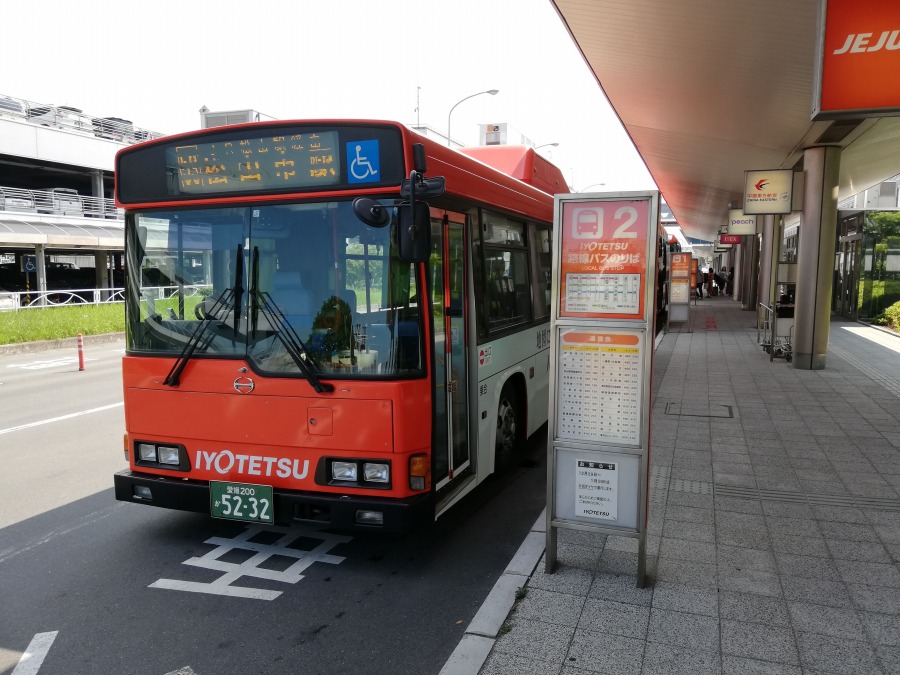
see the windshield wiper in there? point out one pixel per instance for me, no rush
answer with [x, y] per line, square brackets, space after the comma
[254, 294]
[238, 288]
[173, 379]
[292, 343]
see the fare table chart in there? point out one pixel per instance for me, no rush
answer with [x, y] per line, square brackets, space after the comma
[604, 281]
[599, 386]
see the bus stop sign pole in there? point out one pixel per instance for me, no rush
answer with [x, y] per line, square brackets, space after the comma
[602, 337]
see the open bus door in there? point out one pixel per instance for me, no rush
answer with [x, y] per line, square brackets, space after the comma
[451, 450]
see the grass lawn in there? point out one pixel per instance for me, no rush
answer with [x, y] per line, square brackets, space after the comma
[55, 323]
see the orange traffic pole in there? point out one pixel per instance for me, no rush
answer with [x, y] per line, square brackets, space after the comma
[80, 352]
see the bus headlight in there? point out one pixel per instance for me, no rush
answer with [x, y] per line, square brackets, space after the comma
[168, 455]
[376, 472]
[146, 452]
[344, 471]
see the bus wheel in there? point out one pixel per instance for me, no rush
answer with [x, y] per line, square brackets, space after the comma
[510, 429]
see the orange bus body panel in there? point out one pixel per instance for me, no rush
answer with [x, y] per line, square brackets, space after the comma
[207, 415]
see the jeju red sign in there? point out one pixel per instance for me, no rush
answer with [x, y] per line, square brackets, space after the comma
[859, 51]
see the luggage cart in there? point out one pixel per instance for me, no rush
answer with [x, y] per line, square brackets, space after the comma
[764, 326]
[782, 332]
[775, 331]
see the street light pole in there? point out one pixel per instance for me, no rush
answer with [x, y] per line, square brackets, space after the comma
[547, 145]
[585, 189]
[492, 92]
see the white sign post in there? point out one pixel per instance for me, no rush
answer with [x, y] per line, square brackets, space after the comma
[604, 285]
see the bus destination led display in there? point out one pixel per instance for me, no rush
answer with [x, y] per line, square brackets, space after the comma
[254, 164]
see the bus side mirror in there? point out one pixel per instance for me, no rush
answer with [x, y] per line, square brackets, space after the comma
[414, 232]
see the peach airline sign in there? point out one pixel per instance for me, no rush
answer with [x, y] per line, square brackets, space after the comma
[603, 264]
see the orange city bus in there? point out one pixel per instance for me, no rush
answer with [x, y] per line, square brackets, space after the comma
[318, 331]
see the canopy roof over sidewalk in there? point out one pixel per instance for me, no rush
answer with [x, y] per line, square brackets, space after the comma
[20, 230]
[708, 89]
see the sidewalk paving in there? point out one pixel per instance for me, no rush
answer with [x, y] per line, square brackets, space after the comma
[774, 533]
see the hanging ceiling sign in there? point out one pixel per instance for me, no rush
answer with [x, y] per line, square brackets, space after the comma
[729, 239]
[858, 59]
[768, 192]
[740, 223]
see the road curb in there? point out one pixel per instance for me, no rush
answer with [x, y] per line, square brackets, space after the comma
[481, 634]
[46, 345]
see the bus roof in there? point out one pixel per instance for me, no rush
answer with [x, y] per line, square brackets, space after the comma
[522, 163]
[513, 178]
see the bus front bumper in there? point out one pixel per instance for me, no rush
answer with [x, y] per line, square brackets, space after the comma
[331, 510]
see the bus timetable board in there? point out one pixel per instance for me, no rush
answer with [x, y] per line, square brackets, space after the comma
[679, 287]
[604, 278]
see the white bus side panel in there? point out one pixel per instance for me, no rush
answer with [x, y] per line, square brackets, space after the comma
[527, 353]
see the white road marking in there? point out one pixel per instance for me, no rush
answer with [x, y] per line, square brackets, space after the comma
[49, 363]
[11, 552]
[59, 419]
[34, 654]
[250, 567]
[187, 670]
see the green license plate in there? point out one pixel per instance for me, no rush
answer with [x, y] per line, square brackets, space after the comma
[241, 501]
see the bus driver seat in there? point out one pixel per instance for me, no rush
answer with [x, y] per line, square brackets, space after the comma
[293, 300]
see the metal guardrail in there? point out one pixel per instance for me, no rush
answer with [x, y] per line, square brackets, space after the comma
[74, 119]
[22, 300]
[59, 202]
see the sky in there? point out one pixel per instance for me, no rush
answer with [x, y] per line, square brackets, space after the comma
[157, 63]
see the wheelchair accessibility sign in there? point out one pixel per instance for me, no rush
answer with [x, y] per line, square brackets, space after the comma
[362, 158]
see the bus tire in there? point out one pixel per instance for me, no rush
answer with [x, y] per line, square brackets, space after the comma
[510, 429]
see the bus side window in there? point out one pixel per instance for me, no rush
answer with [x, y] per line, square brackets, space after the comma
[541, 270]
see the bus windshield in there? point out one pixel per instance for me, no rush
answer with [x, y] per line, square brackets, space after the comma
[293, 288]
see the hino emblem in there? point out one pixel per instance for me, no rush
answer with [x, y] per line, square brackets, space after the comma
[244, 385]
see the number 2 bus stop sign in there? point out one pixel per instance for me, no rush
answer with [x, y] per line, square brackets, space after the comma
[604, 280]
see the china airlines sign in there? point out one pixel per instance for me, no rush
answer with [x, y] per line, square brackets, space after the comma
[859, 58]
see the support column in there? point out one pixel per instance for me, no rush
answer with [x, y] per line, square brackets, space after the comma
[751, 262]
[746, 271]
[101, 275]
[766, 258]
[815, 257]
[736, 258]
[40, 272]
[97, 191]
